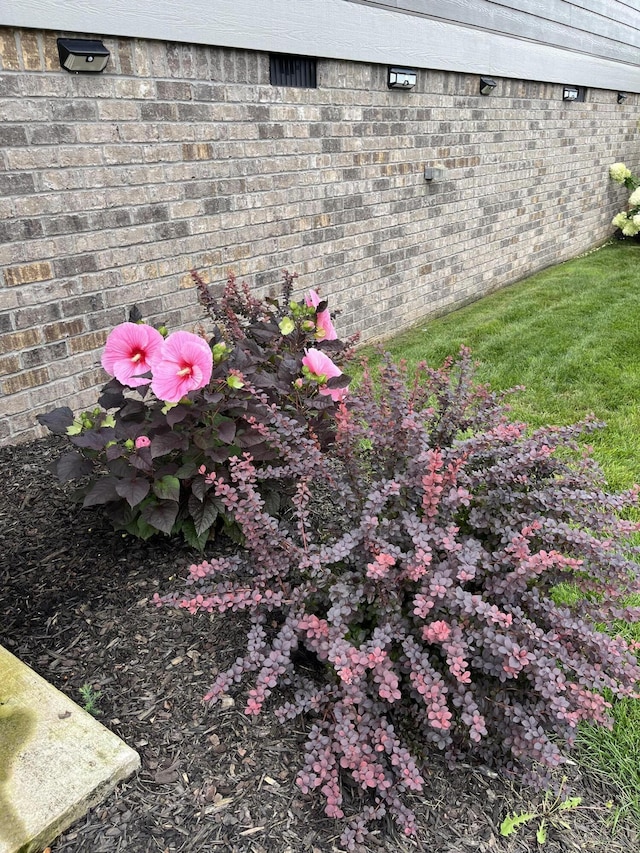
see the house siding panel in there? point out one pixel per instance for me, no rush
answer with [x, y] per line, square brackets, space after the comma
[609, 31]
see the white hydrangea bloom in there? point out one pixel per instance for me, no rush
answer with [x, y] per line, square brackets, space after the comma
[630, 229]
[620, 220]
[634, 198]
[618, 172]
[636, 219]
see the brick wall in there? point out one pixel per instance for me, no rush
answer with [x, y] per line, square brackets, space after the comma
[113, 186]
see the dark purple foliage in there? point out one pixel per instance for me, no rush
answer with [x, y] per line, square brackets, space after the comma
[145, 462]
[417, 570]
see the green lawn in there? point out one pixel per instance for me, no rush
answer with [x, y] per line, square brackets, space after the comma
[571, 336]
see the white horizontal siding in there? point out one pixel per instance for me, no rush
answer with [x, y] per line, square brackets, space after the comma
[610, 29]
[330, 28]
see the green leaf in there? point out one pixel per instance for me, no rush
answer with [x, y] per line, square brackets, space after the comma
[570, 803]
[167, 488]
[541, 834]
[234, 381]
[219, 351]
[512, 823]
[142, 529]
[233, 531]
[192, 538]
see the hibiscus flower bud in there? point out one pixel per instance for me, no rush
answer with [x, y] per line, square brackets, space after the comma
[286, 325]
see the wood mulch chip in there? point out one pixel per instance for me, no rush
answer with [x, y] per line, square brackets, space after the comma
[75, 605]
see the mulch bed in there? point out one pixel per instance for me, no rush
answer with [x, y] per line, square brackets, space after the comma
[75, 604]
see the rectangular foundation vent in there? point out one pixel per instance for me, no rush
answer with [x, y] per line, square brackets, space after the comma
[297, 71]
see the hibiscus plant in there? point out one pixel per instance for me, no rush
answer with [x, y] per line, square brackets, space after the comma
[179, 407]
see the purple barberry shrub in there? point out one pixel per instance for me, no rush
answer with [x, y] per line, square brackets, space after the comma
[418, 571]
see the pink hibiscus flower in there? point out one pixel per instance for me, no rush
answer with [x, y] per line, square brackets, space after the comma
[129, 352]
[322, 368]
[325, 328]
[183, 364]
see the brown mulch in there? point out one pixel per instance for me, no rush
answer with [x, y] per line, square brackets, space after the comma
[75, 605]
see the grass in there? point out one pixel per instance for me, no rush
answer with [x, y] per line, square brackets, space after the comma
[571, 336]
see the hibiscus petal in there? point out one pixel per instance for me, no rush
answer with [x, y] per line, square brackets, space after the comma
[320, 364]
[129, 341]
[184, 364]
[323, 320]
[312, 299]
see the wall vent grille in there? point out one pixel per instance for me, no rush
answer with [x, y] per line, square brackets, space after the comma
[297, 71]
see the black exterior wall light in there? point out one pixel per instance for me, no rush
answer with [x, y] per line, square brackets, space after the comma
[570, 93]
[487, 85]
[82, 56]
[402, 78]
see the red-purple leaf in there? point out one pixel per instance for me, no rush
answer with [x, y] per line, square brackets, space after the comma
[203, 514]
[249, 439]
[161, 515]
[57, 421]
[133, 409]
[339, 381]
[227, 431]
[199, 487]
[133, 491]
[115, 451]
[72, 466]
[95, 439]
[176, 415]
[167, 442]
[102, 492]
[141, 460]
[112, 396]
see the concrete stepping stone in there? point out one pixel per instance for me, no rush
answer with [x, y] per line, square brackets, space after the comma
[56, 760]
